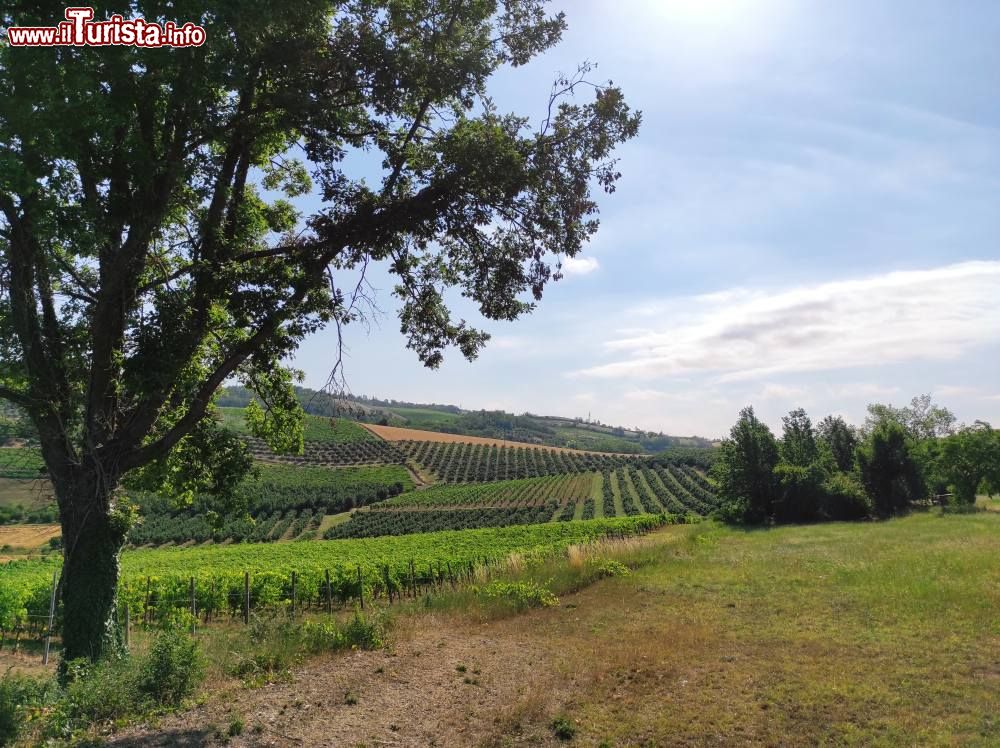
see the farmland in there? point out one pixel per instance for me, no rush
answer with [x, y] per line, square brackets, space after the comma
[20, 462]
[283, 502]
[399, 434]
[461, 462]
[678, 491]
[382, 563]
[316, 428]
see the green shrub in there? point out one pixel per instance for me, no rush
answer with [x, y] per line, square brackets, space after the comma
[173, 668]
[235, 727]
[365, 634]
[844, 498]
[101, 691]
[606, 567]
[19, 696]
[522, 595]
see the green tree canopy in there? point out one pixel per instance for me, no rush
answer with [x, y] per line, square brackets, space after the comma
[150, 247]
[841, 439]
[744, 469]
[889, 472]
[968, 459]
[798, 440]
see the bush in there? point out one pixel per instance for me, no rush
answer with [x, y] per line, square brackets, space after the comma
[18, 696]
[606, 567]
[359, 632]
[522, 595]
[106, 690]
[173, 668]
[844, 498]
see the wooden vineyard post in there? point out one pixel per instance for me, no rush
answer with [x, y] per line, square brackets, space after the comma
[246, 597]
[388, 588]
[146, 614]
[413, 579]
[361, 590]
[194, 609]
[293, 593]
[52, 614]
[329, 594]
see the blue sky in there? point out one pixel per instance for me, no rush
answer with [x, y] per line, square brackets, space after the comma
[810, 216]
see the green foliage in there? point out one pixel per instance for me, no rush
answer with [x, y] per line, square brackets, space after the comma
[458, 462]
[162, 678]
[563, 729]
[798, 441]
[922, 419]
[21, 462]
[172, 669]
[358, 633]
[608, 567]
[146, 261]
[969, 460]
[520, 595]
[841, 439]
[21, 699]
[218, 570]
[299, 494]
[889, 472]
[744, 470]
[209, 461]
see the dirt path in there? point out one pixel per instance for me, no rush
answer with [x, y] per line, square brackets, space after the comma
[437, 686]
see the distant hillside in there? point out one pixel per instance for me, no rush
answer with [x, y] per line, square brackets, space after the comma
[574, 433]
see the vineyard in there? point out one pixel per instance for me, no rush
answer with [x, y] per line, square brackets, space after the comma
[513, 493]
[284, 502]
[154, 582]
[460, 462]
[316, 428]
[330, 454]
[20, 462]
[675, 490]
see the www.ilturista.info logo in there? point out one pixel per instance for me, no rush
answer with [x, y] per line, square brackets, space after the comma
[80, 30]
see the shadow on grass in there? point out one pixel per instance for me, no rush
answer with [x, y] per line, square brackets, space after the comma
[190, 737]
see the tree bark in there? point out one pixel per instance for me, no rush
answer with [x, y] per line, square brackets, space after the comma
[91, 550]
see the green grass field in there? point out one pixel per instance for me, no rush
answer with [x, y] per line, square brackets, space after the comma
[837, 634]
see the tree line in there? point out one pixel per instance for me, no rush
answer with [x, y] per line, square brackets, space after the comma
[836, 471]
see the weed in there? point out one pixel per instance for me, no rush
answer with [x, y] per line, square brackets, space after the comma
[522, 595]
[235, 727]
[563, 729]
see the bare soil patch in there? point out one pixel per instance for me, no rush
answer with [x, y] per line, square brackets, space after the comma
[437, 686]
[27, 536]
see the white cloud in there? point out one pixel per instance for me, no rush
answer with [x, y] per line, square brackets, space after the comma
[935, 314]
[953, 390]
[580, 265]
[852, 390]
[781, 392]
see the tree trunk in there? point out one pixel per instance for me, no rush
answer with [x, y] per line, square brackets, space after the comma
[91, 547]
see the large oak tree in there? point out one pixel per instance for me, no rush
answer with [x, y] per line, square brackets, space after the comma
[144, 259]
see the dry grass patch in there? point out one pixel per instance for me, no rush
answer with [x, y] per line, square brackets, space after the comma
[28, 537]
